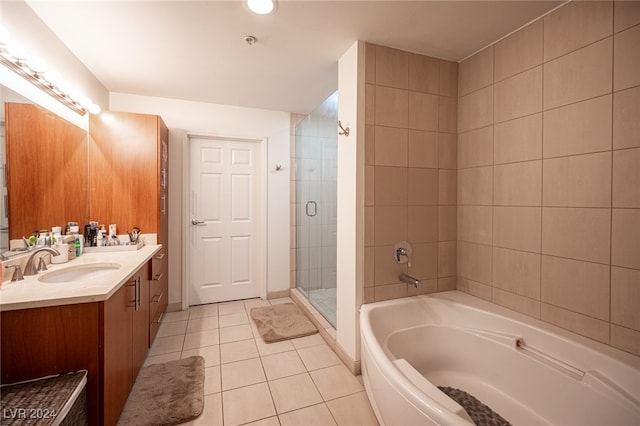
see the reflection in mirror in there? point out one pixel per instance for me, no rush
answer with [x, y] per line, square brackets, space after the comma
[46, 168]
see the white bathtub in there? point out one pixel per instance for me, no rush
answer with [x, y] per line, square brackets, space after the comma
[529, 372]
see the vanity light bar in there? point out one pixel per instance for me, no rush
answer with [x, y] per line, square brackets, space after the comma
[33, 70]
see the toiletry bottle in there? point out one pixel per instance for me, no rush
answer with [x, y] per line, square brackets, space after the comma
[77, 239]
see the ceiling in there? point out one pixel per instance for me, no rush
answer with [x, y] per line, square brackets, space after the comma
[195, 50]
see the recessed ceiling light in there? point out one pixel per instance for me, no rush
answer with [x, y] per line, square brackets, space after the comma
[262, 7]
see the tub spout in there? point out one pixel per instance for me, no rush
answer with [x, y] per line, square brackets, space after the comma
[410, 280]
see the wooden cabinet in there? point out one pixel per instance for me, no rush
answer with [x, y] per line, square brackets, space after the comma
[109, 339]
[125, 342]
[129, 186]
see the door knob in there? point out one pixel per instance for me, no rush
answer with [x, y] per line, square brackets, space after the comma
[196, 221]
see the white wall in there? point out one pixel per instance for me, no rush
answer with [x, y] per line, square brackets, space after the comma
[350, 215]
[183, 117]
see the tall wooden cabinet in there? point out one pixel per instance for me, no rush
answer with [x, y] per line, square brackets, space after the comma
[129, 186]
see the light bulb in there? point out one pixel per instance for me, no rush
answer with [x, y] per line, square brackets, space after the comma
[37, 65]
[94, 109]
[53, 78]
[261, 7]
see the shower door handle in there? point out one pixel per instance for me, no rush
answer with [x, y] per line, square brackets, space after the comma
[311, 208]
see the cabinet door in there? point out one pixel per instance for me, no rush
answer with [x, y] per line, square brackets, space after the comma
[141, 320]
[118, 362]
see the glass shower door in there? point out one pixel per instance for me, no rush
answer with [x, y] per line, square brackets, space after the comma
[316, 187]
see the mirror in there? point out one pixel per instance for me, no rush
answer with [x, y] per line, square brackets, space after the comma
[45, 175]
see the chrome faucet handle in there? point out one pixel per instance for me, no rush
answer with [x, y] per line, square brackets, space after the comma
[17, 272]
[42, 265]
[30, 267]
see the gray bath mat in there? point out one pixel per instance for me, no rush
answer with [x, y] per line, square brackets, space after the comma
[481, 414]
[282, 321]
[166, 394]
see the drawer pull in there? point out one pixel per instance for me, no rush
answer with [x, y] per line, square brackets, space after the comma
[158, 277]
[159, 256]
[157, 298]
[159, 318]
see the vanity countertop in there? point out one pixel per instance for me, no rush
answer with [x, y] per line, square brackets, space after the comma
[31, 293]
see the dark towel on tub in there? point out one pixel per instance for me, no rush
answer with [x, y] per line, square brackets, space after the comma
[481, 414]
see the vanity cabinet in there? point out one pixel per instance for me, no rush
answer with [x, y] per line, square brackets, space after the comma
[129, 186]
[109, 339]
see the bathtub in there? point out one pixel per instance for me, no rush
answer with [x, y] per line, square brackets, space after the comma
[528, 372]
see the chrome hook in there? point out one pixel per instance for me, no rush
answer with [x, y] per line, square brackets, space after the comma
[344, 131]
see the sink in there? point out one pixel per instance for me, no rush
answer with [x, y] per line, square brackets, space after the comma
[77, 273]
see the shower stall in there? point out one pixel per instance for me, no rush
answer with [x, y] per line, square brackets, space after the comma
[316, 140]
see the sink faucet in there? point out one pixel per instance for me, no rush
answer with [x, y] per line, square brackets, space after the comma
[30, 267]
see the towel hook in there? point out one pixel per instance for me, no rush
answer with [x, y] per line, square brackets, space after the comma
[343, 130]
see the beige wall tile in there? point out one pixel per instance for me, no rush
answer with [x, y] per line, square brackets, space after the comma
[422, 187]
[424, 74]
[390, 224]
[516, 302]
[447, 259]
[392, 67]
[518, 140]
[369, 104]
[448, 78]
[626, 14]
[474, 186]
[388, 292]
[626, 178]
[476, 72]
[447, 150]
[625, 238]
[517, 228]
[474, 262]
[518, 184]
[578, 323]
[447, 223]
[576, 25]
[583, 74]
[391, 146]
[369, 226]
[577, 233]
[474, 224]
[370, 63]
[475, 288]
[517, 272]
[424, 264]
[447, 114]
[447, 283]
[423, 224]
[391, 186]
[475, 110]
[369, 145]
[423, 111]
[369, 295]
[386, 269]
[447, 186]
[369, 266]
[423, 149]
[626, 59]
[519, 52]
[578, 128]
[577, 181]
[475, 148]
[575, 285]
[625, 339]
[391, 107]
[519, 95]
[625, 297]
[369, 185]
[626, 126]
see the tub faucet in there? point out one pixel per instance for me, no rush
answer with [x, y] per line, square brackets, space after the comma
[401, 252]
[410, 280]
[30, 267]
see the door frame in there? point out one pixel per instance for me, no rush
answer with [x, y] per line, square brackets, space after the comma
[186, 207]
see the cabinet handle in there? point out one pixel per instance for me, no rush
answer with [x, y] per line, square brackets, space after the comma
[158, 277]
[134, 303]
[158, 297]
[159, 256]
[159, 318]
[163, 208]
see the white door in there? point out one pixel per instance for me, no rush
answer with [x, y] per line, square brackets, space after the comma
[226, 220]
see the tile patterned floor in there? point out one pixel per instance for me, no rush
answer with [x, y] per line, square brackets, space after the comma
[299, 382]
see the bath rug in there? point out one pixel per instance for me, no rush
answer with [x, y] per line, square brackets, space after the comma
[166, 394]
[481, 414]
[281, 322]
